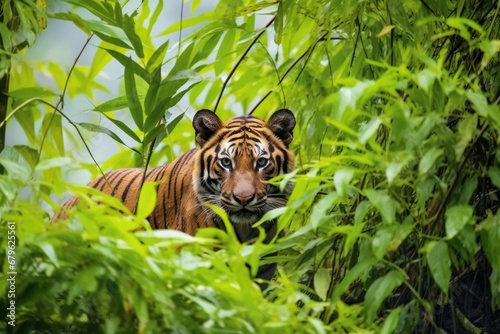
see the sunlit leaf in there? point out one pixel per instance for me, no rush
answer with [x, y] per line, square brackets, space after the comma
[367, 130]
[385, 30]
[341, 179]
[322, 280]
[147, 200]
[456, 218]
[429, 159]
[320, 209]
[383, 203]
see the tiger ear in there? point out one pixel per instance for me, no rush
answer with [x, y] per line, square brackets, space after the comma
[281, 124]
[205, 123]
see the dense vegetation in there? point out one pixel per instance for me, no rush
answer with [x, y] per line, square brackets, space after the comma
[392, 225]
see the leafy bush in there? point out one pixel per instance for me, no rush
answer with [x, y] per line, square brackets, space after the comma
[392, 225]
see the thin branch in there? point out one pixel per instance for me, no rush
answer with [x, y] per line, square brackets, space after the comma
[180, 30]
[355, 42]
[60, 103]
[240, 61]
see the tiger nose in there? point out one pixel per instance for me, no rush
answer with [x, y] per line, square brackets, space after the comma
[244, 198]
[244, 191]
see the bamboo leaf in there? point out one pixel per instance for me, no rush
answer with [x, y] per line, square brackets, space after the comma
[100, 129]
[132, 97]
[129, 29]
[157, 57]
[113, 104]
[128, 63]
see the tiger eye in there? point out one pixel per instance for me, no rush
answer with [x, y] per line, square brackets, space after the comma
[225, 162]
[261, 162]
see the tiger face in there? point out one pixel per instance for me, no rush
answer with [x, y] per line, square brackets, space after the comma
[237, 159]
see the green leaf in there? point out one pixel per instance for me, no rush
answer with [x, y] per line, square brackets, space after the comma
[456, 218]
[341, 179]
[100, 129]
[159, 132]
[378, 291]
[479, 102]
[118, 14]
[56, 131]
[466, 130]
[383, 203]
[14, 169]
[438, 260]
[132, 97]
[113, 104]
[396, 165]
[426, 79]
[388, 238]
[361, 212]
[108, 33]
[429, 159]
[122, 126]
[147, 200]
[129, 64]
[48, 249]
[78, 21]
[489, 232]
[157, 57]
[129, 29]
[152, 93]
[382, 239]
[367, 130]
[95, 7]
[321, 208]
[495, 288]
[463, 25]
[7, 189]
[27, 121]
[360, 269]
[391, 322]
[163, 105]
[270, 215]
[29, 154]
[207, 48]
[494, 174]
[322, 279]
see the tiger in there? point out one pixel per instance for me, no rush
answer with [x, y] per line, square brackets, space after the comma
[230, 169]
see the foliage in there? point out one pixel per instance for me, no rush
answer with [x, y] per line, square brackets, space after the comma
[392, 224]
